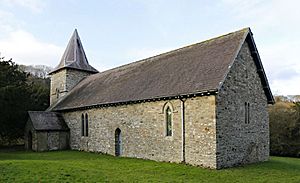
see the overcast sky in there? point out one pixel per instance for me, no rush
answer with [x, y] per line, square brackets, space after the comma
[116, 32]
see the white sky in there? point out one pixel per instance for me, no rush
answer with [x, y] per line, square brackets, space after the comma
[117, 32]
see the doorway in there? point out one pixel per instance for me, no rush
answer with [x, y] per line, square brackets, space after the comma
[29, 141]
[118, 142]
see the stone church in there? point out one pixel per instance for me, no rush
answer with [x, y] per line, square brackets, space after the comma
[204, 104]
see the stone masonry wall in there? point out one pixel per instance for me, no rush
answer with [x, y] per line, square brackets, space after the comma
[45, 140]
[58, 81]
[63, 81]
[200, 126]
[74, 77]
[237, 141]
[143, 131]
[53, 140]
[42, 141]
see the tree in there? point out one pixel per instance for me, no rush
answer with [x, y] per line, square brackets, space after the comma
[285, 128]
[10, 74]
[19, 93]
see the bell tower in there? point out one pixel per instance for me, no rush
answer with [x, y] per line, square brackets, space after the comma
[73, 67]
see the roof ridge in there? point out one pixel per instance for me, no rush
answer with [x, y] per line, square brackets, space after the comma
[173, 51]
[174, 73]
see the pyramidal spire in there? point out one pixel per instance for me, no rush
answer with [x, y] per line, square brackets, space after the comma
[74, 56]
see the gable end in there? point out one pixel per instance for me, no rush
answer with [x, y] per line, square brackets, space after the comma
[248, 37]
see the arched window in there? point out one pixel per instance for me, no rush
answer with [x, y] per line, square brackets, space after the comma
[57, 93]
[247, 112]
[168, 121]
[82, 125]
[118, 142]
[86, 125]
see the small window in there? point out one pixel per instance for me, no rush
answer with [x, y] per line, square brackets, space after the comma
[168, 121]
[248, 108]
[57, 93]
[247, 112]
[86, 125]
[118, 142]
[82, 125]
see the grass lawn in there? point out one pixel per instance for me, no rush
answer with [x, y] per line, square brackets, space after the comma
[74, 166]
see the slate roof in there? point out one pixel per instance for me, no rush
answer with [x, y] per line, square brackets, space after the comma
[192, 69]
[74, 57]
[47, 121]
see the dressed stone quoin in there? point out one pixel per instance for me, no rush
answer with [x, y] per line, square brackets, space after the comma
[203, 104]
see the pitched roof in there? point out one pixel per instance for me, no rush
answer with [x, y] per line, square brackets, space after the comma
[74, 57]
[189, 70]
[45, 121]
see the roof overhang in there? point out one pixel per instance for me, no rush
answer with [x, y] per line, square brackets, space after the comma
[160, 98]
[72, 68]
[259, 66]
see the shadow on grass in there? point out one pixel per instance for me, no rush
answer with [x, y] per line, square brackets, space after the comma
[282, 163]
[12, 148]
[275, 163]
[51, 155]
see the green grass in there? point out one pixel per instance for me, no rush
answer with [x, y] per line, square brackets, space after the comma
[73, 166]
